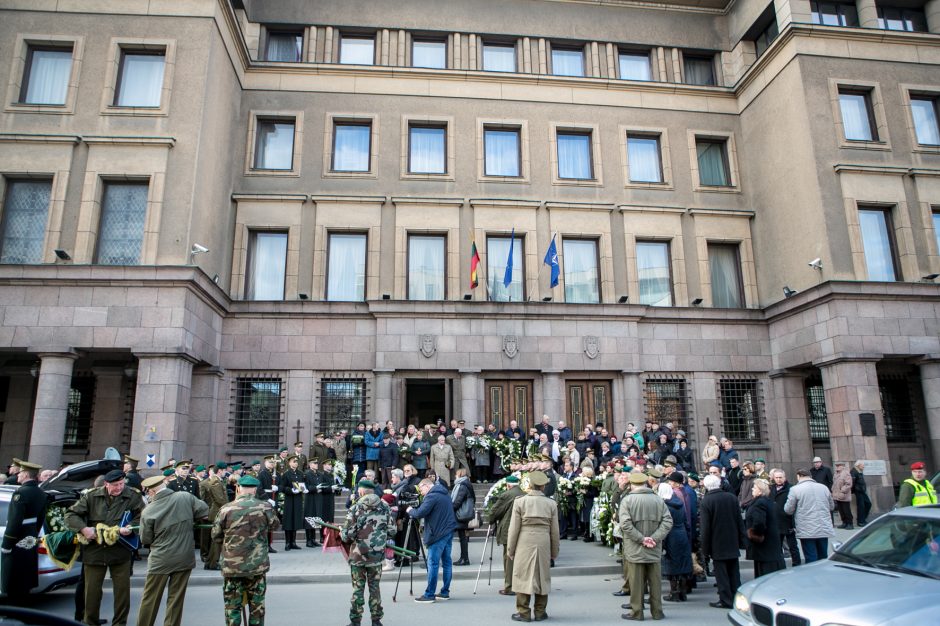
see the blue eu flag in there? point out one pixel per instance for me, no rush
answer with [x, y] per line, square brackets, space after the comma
[507, 277]
[551, 259]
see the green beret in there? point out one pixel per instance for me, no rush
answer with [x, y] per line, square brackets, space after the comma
[256, 462]
[168, 472]
[249, 481]
[695, 477]
[235, 467]
[283, 449]
[760, 460]
[365, 483]
[512, 479]
[221, 465]
[200, 468]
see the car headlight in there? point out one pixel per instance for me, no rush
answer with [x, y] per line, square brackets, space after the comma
[742, 604]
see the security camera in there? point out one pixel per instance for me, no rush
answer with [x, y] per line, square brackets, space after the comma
[198, 249]
[816, 264]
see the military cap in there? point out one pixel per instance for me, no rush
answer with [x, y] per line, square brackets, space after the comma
[202, 468]
[695, 477]
[153, 481]
[292, 457]
[235, 467]
[27, 465]
[918, 465]
[298, 443]
[670, 460]
[760, 459]
[114, 476]
[318, 435]
[283, 449]
[461, 421]
[365, 483]
[511, 479]
[328, 462]
[256, 462]
[186, 463]
[168, 472]
[637, 478]
[221, 465]
[249, 481]
[271, 457]
[538, 479]
[654, 473]
[167, 467]
[129, 459]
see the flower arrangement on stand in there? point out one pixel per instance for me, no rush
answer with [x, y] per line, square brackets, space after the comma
[479, 442]
[339, 472]
[507, 449]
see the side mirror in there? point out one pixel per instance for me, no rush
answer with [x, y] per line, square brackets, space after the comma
[836, 545]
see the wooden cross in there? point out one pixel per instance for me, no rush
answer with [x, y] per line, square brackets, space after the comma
[297, 429]
[708, 425]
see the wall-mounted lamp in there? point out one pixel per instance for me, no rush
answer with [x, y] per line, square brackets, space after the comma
[547, 299]
[623, 299]
[697, 302]
[62, 255]
[789, 293]
[303, 296]
[468, 296]
[386, 296]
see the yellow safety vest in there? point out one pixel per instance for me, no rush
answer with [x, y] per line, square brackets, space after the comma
[924, 494]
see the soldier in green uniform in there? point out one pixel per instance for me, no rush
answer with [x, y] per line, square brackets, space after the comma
[281, 460]
[500, 514]
[319, 450]
[215, 497]
[106, 505]
[368, 527]
[183, 481]
[130, 470]
[19, 565]
[301, 457]
[242, 528]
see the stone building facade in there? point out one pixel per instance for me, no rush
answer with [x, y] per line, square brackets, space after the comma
[337, 160]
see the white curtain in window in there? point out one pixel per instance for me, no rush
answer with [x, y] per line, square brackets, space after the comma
[268, 266]
[652, 267]
[501, 149]
[357, 51]
[925, 122]
[711, 163]
[635, 67]
[351, 148]
[574, 156]
[24, 221]
[499, 58]
[426, 267]
[284, 47]
[497, 254]
[49, 72]
[855, 119]
[141, 80]
[122, 224]
[568, 62]
[427, 150]
[432, 54]
[580, 265]
[346, 271]
[643, 153]
[699, 71]
[275, 145]
[877, 244]
[726, 276]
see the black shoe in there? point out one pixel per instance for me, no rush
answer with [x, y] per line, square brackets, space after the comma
[575, 538]
[719, 605]
[294, 546]
[287, 547]
[629, 617]
[271, 550]
[315, 545]
[211, 567]
[519, 617]
[620, 593]
[589, 540]
[540, 618]
[376, 622]
[504, 592]
[310, 544]
[552, 563]
[625, 606]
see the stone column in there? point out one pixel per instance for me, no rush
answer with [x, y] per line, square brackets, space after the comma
[161, 406]
[471, 403]
[867, 13]
[932, 9]
[553, 397]
[383, 396]
[788, 422]
[52, 401]
[851, 388]
[930, 384]
[632, 401]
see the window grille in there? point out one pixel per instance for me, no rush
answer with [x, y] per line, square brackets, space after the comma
[816, 411]
[667, 400]
[900, 416]
[343, 403]
[742, 410]
[79, 413]
[258, 407]
[130, 398]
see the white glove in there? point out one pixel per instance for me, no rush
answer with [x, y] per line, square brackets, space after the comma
[274, 488]
[306, 490]
[271, 502]
[295, 490]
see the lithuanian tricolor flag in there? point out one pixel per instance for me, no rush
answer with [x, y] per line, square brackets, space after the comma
[474, 264]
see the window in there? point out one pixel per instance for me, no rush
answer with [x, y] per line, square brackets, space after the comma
[582, 284]
[123, 212]
[346, 267]
[816, 410]
[342, 403]
[667, 400]
[654, 273]
[635, 66]
[936, 227]
[284, 46]
[426, 267]
[742, 410]
[858, 117]
[267, 265]
[499, 57]
[501, 151]
[274, 148]
[497, 257]
[427, 149]
[644, 159]
[352, 147]
[46, 75]
[574, 155]
[766, 37]
[698, 69]
[897, 18]
[924, 113]
[258, 406]
[900, 418]
[25, 210]
[834, 14]
[725, 269]
[567, 61]
[79, 412]
[712, 155]
[878, 244]
[140, 78]
[431, 54]
[357, 50]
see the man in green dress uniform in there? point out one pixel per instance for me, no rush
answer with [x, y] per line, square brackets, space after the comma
[20, 569]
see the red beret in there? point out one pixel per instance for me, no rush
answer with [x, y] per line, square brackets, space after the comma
[388, 498]
[918, 465]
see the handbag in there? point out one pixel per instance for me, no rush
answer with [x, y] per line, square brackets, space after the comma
[754, 537]
[474, 523]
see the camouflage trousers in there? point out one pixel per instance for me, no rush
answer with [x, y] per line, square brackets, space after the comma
[360, 576]
[236, 592]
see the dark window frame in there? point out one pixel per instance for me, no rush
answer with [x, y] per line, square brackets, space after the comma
[28, 68]
[659, 151]
[737, 266]
[934, 99]
[355, 35]
[104, 191]
[252, 239]
[332, 405]
[867, 94]
[746, 427]
[136, 51]
[431, 234]
[429, 39]
[664, 407]
[504, 128]
[843, 11]
[242, 418]
[916, 17]
[268, 32]
[637, 52]
[365, 266]
[701, 57]
[568, 47]
[582, 132]
[504, 236]
[597, 265]
[80, 412]
[499, 44]
[343, 122]
[668, 244]
[892, 238]
[725, 159]
[816, 413]
[273, 119]
[7, 184]
[441, 126]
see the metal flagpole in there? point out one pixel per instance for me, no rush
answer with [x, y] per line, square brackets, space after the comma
[538, 274]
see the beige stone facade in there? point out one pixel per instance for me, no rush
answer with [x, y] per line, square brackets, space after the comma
[301, 146]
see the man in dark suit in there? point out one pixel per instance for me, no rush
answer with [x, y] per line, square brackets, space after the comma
[722, 538]
[183, 481]
[130, 470]
[267, 490]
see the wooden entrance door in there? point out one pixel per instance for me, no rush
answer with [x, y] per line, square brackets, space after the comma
[508, 400]
[588, 402]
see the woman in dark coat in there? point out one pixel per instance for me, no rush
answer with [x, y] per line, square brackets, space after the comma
[746, 489]
[357, 445]
[327, 495]
[677, 547]
[420, 451]
[311, 501]
[292, 486]
[685, 457]
[462, 492]
[763, 531]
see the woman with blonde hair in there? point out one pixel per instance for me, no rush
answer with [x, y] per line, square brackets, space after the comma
[763, 530]
[711, 451]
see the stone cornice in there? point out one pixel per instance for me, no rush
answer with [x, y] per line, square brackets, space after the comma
[886, 170]
[421, 200]
[579, 206]
[39, 138]
[326, 199]
[722, 212]
[649, 208]
[506, 203]
[269, 197]
[129, 140]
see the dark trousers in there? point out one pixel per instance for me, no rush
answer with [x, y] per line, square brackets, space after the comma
[792, 546]
[862, 508]
[845, 511]
[153, 594]
[464, 544]
[815, 549]
[481, 473]
[120, 584]
[728, 577]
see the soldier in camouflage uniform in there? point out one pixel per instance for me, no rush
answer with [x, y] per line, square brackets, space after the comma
[242, 527]
[368, 527]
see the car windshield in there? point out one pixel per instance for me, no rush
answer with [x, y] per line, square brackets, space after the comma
[898, 543]
[4, 507]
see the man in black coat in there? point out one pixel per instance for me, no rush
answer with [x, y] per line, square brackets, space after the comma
[20, 565]
[722, 539]
[183, 481]
[821, 474]
[130, 470]
[267, 490]
[860, 489]
[779, 490]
